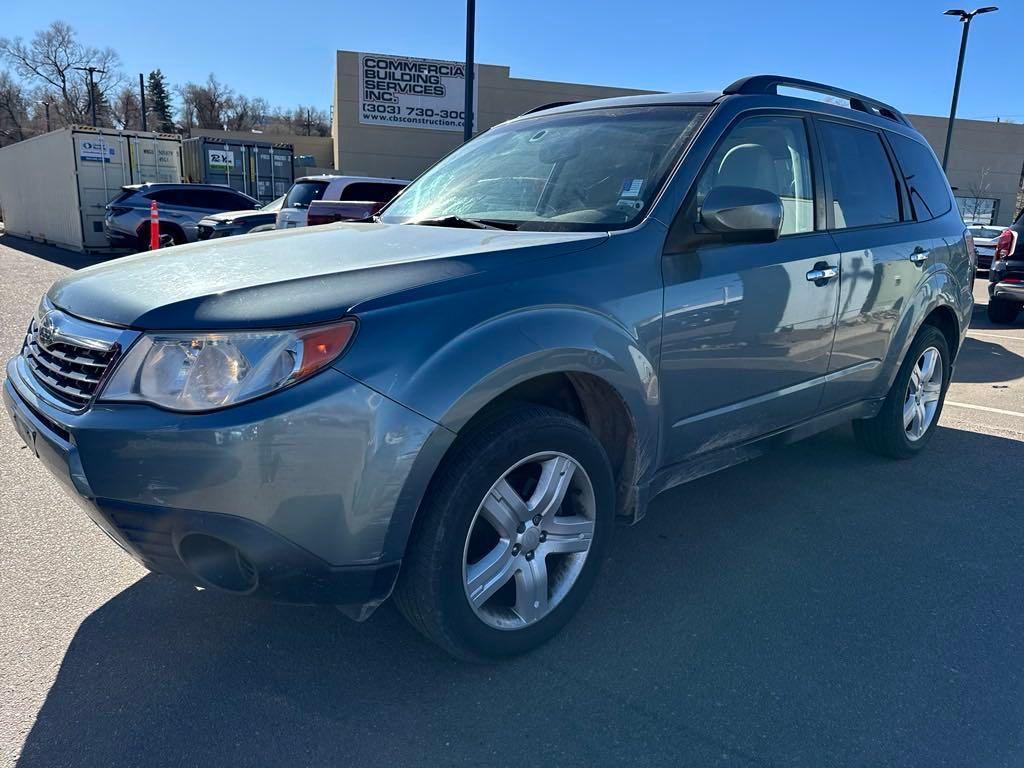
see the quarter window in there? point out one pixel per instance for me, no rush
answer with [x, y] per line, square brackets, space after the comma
[769, 153]
[929, 192]
[865, 191]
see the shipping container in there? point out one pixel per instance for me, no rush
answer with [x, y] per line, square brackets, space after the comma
[257, 168]
[54, 188]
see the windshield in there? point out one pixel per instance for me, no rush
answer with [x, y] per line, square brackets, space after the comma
[986, 232]
[274, 205]
[303, 193]
[580, 171]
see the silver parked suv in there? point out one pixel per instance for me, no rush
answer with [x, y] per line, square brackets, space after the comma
[575, 311]
[181, 206]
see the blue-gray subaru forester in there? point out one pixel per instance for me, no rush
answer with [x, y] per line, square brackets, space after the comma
[580, 308]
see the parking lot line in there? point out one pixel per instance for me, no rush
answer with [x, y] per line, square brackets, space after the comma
[972, 334]
[985, 408]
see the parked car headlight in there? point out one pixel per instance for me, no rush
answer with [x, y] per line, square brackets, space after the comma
[204, 371]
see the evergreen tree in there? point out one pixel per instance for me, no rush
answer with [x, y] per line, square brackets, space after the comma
[158, 103]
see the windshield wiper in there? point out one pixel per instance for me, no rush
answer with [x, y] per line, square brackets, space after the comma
[459, 221]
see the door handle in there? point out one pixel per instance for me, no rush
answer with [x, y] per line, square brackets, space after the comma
[822, 273]
[920, 255]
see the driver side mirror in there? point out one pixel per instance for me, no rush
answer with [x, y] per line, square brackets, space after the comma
[743, 214]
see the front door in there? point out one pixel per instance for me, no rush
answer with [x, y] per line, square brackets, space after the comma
[747, 328]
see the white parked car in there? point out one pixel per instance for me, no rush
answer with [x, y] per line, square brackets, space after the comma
[985, 236]
[308, 189]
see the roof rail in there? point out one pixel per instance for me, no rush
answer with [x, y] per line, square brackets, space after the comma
[769, 84]
[552, 105]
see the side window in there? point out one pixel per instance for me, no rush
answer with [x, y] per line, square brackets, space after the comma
[929, 191]
[769, 153]
[865, 190]
[370, 191]
[229, 201]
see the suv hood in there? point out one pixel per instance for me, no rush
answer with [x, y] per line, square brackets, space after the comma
[281, 279]
[236, 215]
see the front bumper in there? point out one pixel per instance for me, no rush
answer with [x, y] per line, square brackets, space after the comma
[303, 483]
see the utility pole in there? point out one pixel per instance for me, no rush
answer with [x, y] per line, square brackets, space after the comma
[142, 99]
[467, 123]
[965, 19]
[92, 88]
[309, 121]
[46, 106]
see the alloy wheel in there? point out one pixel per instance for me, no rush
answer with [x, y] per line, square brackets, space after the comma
[528, 540]
[923, 393]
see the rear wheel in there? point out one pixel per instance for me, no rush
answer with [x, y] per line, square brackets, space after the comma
[1002, 312]
[511, 535]
[176, 236]
[911, 410]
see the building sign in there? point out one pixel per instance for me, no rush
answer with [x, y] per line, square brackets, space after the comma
[96, 151]
[412, 93]
[221, 159]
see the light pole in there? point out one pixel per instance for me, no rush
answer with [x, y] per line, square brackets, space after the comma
[467, 123]
[965, 19]
[92, 88]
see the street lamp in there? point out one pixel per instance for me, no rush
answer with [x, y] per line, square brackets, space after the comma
[92, 88]
[965, 18]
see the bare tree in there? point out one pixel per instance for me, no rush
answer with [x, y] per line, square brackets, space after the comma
[243, 114]
[53, 60]
[126, 109]
[976, 206]
[14, 108]
[206, 105]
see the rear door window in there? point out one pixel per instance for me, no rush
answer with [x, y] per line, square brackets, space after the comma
[929, 192]
[865, 190]
[303, 193]
[370, 191]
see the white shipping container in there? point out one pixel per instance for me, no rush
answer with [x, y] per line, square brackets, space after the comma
[54, 188]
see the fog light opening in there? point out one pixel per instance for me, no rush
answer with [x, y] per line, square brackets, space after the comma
[217, 563]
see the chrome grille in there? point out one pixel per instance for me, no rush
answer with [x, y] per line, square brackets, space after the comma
[66, 362]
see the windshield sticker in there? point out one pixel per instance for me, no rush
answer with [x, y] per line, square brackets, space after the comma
[631, 188]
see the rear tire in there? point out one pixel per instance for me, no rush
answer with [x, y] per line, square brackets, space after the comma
[889, 433]
[1002, 312]
[478, 513]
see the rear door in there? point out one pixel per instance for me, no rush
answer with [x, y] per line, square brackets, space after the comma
[885, 253]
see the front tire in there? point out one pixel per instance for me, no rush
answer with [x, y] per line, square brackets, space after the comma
[1002, 312]
[510, 537]
[910, 413]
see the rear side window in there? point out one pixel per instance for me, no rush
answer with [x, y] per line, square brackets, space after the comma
[229, 201]
[370, 191]
[189, 198]
[929, 192]
[865, 191]
[303, 193]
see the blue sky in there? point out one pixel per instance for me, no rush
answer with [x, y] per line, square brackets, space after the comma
[901, 51]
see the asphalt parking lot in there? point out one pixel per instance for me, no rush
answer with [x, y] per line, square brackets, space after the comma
[817, 607]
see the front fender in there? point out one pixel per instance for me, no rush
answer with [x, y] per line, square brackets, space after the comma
[471, 370]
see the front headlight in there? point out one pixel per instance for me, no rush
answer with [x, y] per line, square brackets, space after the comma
[204, 371]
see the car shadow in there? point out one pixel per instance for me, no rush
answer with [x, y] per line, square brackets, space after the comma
[984, 362]
[53, 254]
[817, 606]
